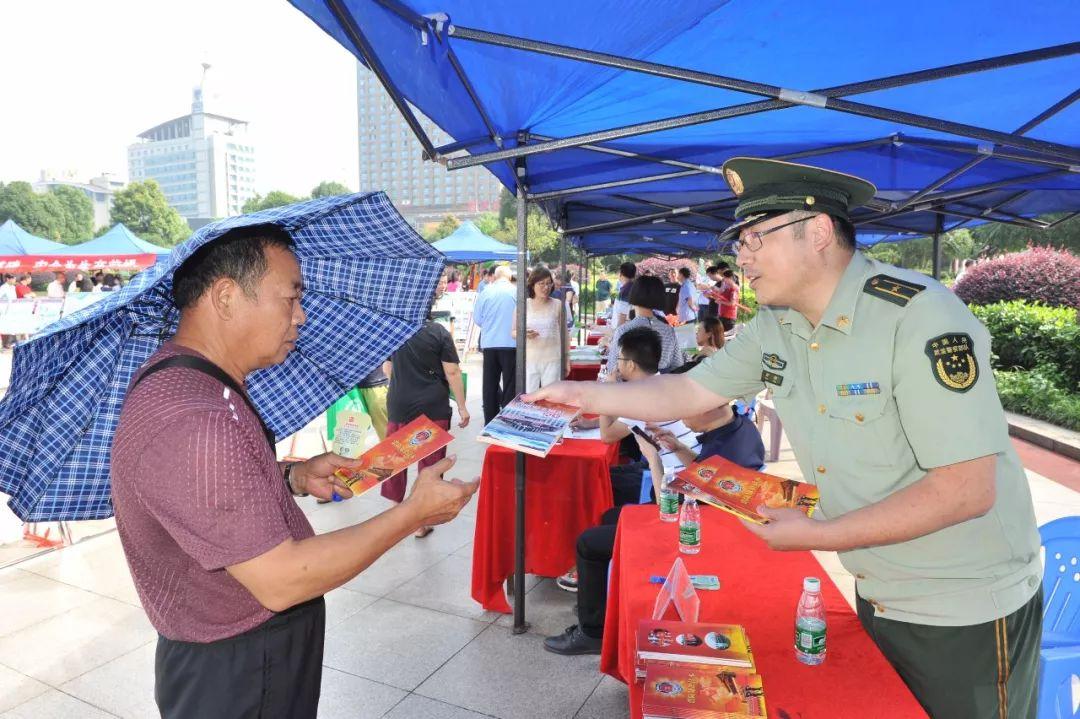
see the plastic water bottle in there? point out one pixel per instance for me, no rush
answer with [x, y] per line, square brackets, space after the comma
[668, 499]
[810, 624]
[690, 527]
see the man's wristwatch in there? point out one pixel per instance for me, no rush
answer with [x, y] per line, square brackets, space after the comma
[288, 480]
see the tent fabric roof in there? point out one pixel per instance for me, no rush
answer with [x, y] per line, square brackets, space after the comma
[468, 244]
[117, 241]
[795, 80]
[14, 241]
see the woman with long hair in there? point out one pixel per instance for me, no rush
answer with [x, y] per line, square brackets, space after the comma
[710, 336]
[545, 332]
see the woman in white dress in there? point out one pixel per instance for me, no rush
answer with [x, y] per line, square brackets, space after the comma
[545, 332]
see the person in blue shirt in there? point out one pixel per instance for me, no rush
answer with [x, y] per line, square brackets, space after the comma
[721, 432]
[494, 315]
[688, 304]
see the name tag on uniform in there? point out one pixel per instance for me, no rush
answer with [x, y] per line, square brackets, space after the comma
[772, 377]
[858, 388]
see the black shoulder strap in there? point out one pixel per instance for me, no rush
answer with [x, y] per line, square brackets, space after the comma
[209, 368]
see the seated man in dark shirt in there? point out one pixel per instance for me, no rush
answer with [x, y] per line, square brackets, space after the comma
[721, 432]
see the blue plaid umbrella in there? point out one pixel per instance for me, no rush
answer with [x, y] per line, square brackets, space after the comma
[369, 280]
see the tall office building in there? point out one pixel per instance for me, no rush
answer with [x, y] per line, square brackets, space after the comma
[390, 160]
[205, 163]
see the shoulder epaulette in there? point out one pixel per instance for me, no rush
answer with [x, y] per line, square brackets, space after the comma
[899, 292]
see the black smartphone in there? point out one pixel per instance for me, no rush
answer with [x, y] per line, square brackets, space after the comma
[647, 437]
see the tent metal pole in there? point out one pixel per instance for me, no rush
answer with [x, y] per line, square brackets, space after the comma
[1066, 218]
[982, 149]
[936, 265]
[974, 162]
[638, 156]
[520, 625]
[541, 196]
[356, 37]
[627, 213]
[987, 215]
[755, 88]
[643, 219]
[782, 97]
[1033, 222]
[944, 197]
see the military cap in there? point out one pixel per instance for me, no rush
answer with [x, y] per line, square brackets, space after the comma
[767, 187]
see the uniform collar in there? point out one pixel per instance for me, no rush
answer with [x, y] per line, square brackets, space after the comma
[840, 312]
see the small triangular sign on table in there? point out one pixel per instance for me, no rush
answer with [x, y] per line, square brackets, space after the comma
[679, 590]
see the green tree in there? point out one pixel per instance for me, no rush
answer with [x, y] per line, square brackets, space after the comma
[20, 203]
[274, 198]
[541, 237]
[443, 229]
[328, 188]
[142, 207]
[77, 213]
[507, 206]
[488, 223]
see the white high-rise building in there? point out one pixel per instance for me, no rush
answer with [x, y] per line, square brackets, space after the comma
[205, 163]
[390, 160]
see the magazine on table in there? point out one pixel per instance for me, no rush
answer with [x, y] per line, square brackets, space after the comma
[406, 446]
[529, 427]
[674, 691]
[741, 491]
[695, 643]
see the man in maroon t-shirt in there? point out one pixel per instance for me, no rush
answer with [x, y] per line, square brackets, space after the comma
[226, 565]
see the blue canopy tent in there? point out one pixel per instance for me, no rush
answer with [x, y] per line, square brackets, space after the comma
[616, 115]
[117, 241]
[15, 241]
[468, 244]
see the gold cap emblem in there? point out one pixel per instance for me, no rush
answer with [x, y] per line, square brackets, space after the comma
[810, 200]
[734, 181]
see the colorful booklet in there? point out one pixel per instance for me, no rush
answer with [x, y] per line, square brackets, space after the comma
[408, 445]
[697, 643]
[741, 491]
[529, 427]
[682, 692]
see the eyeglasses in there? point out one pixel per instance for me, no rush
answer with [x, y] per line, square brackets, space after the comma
[752, 241]
[623, 359]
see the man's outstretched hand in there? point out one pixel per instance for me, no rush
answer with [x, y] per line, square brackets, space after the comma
[571, 393]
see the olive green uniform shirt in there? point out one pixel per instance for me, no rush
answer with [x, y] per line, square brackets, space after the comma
[892, 383]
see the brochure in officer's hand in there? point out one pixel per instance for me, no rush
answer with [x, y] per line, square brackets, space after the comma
[406, 446]
[529, 427]
[741, 491]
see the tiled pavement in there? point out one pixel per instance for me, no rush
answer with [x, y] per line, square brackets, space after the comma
[404, 639]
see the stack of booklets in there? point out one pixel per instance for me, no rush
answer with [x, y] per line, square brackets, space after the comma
[741, 491]
[408, 445]
[697, 671]
[585, 355]
[529, 427]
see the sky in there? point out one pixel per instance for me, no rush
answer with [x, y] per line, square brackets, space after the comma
[80, 80]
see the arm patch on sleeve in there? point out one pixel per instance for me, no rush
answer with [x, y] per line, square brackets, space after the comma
[952, 361]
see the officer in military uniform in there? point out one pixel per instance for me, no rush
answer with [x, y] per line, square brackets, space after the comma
[882, 379]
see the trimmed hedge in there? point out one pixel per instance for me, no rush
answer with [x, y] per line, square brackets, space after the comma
[1026, 336]
[1036, 393]
[1039, 274]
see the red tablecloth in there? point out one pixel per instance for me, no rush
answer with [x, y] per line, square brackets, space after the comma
[583, 371]
[565, 493]
[759, 589]
[591, 339]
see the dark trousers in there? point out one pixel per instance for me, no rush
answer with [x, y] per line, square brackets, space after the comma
[500, 364]
[626, 482]
[273, 670]
[727, 323]
[981, 671]
[594, 549]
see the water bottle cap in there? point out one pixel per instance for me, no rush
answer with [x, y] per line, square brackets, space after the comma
[811, 584]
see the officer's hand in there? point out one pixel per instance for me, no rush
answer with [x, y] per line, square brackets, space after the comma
[788, 529]
[316, 476]
[436, 500]
[565, 392]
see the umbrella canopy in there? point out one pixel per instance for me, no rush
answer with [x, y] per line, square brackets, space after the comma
[15, 241]
[369, 280]
[117, 241]
[468, 244]
[963, 111]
